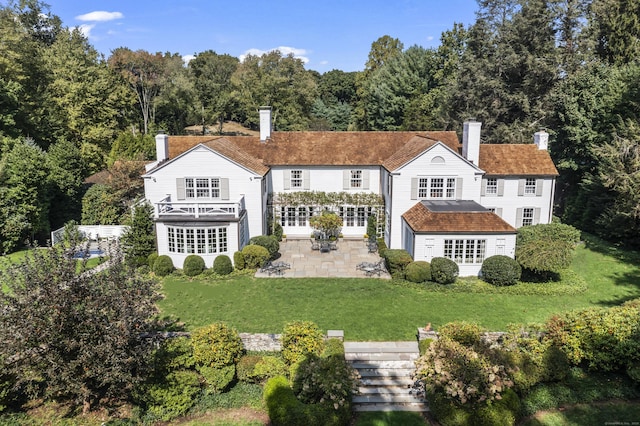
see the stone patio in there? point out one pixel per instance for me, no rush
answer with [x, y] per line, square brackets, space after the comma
[340, 263]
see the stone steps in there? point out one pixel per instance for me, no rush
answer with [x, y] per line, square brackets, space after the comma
[385, 369]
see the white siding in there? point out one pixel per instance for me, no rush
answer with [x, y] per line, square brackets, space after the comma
[202, 162]
[510, 201]
[467, 176]
[428, 246]
[326, 178]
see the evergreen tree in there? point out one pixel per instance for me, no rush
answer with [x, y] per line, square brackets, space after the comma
[139, 241]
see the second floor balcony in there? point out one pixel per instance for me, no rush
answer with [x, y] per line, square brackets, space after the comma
[211, 209]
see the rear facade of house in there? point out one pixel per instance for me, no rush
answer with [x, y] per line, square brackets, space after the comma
[428, 193]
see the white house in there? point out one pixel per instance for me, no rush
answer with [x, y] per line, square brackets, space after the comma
[430, 194]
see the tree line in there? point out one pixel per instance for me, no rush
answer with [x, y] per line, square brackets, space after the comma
[570, 66]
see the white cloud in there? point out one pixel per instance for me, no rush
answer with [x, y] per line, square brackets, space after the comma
[285, 50]
[85, 29]
[100, 16]
[430, 38]
[187, 58]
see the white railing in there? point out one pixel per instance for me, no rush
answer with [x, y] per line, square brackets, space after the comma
[167, 207]
[92, 232]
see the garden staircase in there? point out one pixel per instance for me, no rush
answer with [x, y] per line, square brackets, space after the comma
[385, 369]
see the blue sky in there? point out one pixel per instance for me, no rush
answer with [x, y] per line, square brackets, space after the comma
[325, 34]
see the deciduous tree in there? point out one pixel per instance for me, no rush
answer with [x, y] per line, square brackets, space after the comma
[75, 335]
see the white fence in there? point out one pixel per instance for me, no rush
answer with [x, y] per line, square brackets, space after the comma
[92, 232]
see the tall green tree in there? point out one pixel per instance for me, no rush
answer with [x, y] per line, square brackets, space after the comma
[397, 91]
[26, 190]
[27, 29]
[146, 74]
[67, 176]
[508, 70]
[615, 27]
[212, 82]
[84, 97]
[382, 50]
[278, 81]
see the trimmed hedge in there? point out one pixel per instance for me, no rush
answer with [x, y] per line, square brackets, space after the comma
[270, 242]
[216, 345]
[396, 261]
[418, 271]
[299, 339]
[193, 265]
[444, 270]
[163, 266]
[501, 270]
[222, 265]
[238, 260]
[254, 256]
[463, 332]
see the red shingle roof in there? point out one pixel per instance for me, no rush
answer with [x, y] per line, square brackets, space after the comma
[388, 149]
[516, 159]
[423, 220]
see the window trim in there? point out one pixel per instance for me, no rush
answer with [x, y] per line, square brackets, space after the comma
[198, 240]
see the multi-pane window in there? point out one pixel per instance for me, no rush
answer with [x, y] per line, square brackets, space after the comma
[356, 179]
[350, 217]
[492, 186]
[302, 216]
[291, 216]
[197, 240]
[296, 178]
[465, 251]
[362, 216]
[527, 216]
[530, 186]
[202, 187]
[436, 188]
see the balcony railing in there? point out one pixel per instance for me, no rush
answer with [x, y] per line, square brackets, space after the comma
[167, 207]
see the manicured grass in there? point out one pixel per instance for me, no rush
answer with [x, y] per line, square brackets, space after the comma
[611, 413]
[374, 309]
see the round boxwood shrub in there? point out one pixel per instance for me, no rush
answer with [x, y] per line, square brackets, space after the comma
[396, 261]
[151, 259]
[299, 339]
[222, 265]
[238, 260]
[444, 270]
[216, 345]
[463, 332]
[270, 242]
[163, 266]
[418, 271]
[193, 265]
[254, 256]
[501, 270]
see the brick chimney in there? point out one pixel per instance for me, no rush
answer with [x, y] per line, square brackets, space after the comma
[265, 123]
[541, 139]
[471, 140]
[162, 146]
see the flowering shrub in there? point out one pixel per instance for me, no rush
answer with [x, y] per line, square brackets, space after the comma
[461, 374]
[326, 380]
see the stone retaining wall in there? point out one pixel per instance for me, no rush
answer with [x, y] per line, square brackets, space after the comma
[261, 342]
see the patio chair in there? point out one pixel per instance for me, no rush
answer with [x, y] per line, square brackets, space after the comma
[315, 244]
[372, 246]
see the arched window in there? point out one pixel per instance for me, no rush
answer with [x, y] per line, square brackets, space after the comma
[437, 160]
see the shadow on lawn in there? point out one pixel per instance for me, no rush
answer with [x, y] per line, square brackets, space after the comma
[630, 278]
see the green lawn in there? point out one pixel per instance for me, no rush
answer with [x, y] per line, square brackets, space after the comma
[373, 309]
